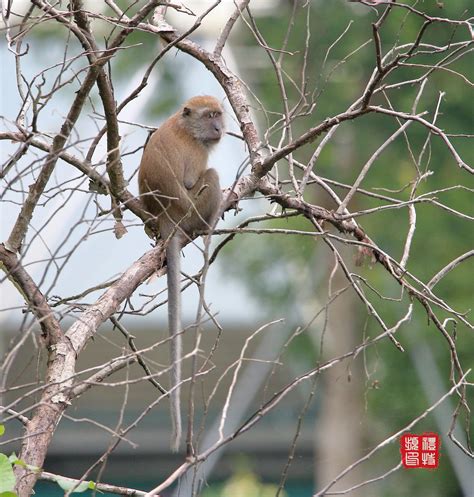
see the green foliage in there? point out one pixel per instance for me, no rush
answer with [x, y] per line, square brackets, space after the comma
[68, 484]
[276, 271]
[7, 478]
[19, 462]
[284, 271]
[243, 483]
[261, 255]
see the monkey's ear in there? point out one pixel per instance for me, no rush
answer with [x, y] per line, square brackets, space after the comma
[186, 111]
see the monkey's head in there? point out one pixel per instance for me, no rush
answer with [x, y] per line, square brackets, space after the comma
[202, 117]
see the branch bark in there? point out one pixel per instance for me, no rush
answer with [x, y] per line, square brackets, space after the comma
[62, 367]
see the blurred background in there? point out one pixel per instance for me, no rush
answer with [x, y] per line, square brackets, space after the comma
[330, 421]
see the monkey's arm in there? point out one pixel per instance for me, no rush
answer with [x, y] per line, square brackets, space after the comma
[191, 175]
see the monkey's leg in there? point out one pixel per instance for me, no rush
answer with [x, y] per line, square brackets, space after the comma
[206, 196]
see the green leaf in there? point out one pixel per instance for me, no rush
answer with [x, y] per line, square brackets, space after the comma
[19, 462]
[67, 484]
[8, 494]
[7, 478]
[2, 430]
[93, 486]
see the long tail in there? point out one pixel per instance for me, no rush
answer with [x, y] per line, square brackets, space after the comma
[174, 325]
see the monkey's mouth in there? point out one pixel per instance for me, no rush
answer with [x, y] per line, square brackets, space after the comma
[213, 140]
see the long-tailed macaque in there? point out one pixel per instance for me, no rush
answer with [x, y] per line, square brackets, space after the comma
[184, 195]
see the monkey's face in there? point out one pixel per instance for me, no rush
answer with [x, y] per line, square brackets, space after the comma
[214, 125]
[206, 124]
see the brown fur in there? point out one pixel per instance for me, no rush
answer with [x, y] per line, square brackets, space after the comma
[173, 180]
[184, 196]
